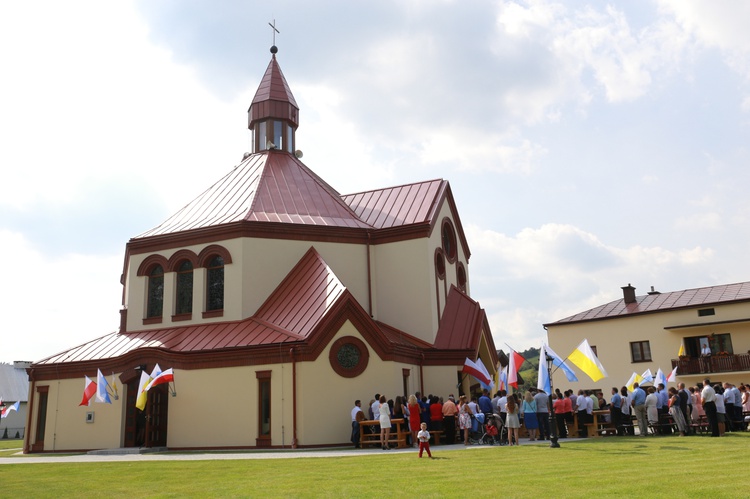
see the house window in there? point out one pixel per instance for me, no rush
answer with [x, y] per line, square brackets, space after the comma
[155, 292]
[264, 408]
[640, 351]
[721, 344]
[215, 284]
[184, 301]
[706, 311]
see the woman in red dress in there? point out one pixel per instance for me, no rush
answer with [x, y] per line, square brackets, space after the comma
[414, 419]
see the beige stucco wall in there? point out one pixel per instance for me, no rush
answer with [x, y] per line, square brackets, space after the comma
[215, 408]
[66, 427]
[404, 287]
[269, 261]
[612, 339]
[219, 407]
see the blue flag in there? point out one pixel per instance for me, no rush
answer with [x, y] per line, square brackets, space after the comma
[558, 362]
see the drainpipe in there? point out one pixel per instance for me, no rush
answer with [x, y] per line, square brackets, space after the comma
[29, 411]
[294, 398]
[421, 374]
[369, 278]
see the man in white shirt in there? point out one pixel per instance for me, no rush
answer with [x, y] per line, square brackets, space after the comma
[706, 357]
[357, 416]
[374, 413]
[582, 415]
[708, 397]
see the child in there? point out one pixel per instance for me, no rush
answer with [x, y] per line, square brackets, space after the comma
[424, 440]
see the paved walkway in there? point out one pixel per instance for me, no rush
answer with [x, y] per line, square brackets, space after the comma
[255, 454]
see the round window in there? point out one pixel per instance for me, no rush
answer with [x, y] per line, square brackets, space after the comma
[349, 356]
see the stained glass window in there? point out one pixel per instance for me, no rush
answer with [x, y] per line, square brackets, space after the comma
[348, 356]
[155, 292]
[215, 284]
[184, 303]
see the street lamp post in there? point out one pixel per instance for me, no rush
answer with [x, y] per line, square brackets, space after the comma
[552, 419]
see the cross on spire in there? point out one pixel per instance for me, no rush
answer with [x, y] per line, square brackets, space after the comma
[273, 27]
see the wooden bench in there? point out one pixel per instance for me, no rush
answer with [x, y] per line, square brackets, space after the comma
[435, 435]
[397, 437]
[700, 427]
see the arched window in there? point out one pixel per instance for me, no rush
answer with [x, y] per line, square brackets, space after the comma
[461, 277]
[440, 264]
[184, 298]
[215, 284]
[448, 237]
[155, 292]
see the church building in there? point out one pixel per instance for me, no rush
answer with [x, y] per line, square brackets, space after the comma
[277, 302]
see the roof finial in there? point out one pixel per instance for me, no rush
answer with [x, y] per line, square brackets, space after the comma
[273, 27]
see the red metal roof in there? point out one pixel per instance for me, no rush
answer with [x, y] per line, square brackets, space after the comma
[193, 338]
[304, 297]
[396, 206]
[270, 186]
[273, 86]
[461, 323]
[661, 302]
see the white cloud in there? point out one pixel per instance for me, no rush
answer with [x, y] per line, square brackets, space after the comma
[101, 99]
[49, 305]
[479, 151]
[544, 274]
[716, 24]
[579, 42]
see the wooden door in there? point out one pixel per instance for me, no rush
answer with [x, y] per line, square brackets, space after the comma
[156, 416]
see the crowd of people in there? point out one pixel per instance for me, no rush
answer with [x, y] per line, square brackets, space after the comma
[681, 409]
[722, 406]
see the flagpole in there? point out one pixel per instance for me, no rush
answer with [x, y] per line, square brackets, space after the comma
[553, 444]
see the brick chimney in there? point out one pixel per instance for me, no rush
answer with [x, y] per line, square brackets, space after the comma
[628, 293]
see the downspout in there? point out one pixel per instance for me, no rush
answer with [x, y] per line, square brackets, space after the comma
[421, 374]
[29, 411]
[369, 277]
[294, 398]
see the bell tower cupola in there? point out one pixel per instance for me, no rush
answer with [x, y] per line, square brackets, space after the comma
[273, 116]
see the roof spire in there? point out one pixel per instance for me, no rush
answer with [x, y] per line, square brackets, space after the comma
[274, 49]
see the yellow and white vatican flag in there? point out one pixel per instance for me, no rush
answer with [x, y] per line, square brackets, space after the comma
[140, 401]
[585, 359]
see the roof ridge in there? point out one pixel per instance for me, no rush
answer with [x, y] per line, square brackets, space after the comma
[394, 187]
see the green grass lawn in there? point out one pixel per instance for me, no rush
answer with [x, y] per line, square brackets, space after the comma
[9, 447]
[608, 467]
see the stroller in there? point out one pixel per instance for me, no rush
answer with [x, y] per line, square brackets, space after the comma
[485, 432]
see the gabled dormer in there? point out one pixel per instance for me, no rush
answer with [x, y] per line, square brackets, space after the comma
[273, 116]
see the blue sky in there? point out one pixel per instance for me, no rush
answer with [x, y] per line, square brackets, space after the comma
[588, 145]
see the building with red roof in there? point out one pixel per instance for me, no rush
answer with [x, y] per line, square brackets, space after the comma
[662, 331]
[277, 302]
